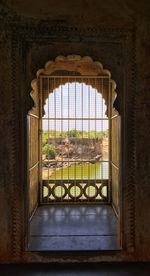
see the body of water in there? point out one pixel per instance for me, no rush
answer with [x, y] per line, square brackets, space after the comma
[99, 170]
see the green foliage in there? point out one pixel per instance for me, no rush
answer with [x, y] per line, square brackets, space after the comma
[74, 133]
[50, 151]
[44, 138]
[97, 134]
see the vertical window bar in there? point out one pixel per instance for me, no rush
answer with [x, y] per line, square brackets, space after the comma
[40, 141]
[61, 91]
[109, 189]
[95, 123]
[75, 139]
[48, 123]
[54, 122]
[102, 84]
[82, 137]
[41, 94]
[68, 130]
[89, 90]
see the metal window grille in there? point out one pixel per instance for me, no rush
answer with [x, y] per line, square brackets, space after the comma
[75, 139]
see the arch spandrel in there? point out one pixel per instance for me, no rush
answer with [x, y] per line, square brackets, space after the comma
[81, 66]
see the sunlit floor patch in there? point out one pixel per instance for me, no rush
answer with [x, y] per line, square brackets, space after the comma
[74, 228]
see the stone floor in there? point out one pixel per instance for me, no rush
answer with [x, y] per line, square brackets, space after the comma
[74, 228]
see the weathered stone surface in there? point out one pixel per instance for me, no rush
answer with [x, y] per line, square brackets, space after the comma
[118, 35]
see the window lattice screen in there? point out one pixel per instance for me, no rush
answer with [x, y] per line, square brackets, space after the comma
[75, 116]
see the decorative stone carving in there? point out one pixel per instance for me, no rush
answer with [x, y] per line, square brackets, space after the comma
[36, 34]
[84, 66]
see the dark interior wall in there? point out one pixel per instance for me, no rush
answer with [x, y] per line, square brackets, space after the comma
[90, 13]
[21, 61]
[142, 117]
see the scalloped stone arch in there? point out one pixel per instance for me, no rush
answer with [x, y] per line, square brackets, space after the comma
[73, 65]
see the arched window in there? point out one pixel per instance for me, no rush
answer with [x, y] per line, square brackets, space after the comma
[74, 135]
[75, 140]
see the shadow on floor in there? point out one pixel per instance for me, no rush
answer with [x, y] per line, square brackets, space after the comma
[103, 269]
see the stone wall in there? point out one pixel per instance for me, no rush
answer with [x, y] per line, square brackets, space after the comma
[80, 148]
[118, 35]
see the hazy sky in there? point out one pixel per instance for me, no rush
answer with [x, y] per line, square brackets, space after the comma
[75, 101]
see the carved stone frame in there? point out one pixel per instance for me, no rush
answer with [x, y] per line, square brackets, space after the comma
[83, 66]
[23, 37]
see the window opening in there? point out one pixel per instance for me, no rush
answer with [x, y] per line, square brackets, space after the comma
[79, 138]
[75, 139]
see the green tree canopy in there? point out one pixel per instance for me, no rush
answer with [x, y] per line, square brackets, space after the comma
[50, 151]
